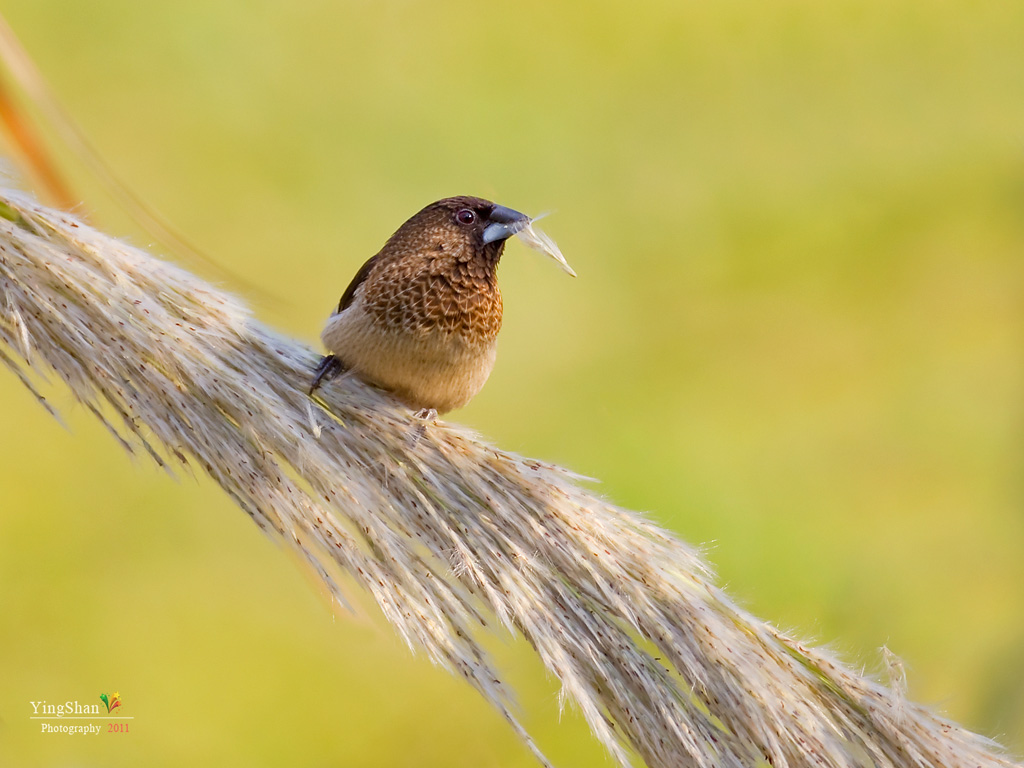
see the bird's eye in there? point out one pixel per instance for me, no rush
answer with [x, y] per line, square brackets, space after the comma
[465, 216]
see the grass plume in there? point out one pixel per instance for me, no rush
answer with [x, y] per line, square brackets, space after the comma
[447, 533]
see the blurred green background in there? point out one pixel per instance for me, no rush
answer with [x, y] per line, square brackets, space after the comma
[797, 337]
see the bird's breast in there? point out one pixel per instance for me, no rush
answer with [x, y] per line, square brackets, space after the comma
[461, 303]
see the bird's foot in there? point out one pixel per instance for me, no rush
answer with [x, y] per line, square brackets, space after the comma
[424, 416]
[330, 366]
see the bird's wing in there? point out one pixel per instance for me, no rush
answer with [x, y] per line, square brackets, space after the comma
[350, 292]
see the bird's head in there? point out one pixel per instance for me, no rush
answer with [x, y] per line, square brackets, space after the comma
[463, 228]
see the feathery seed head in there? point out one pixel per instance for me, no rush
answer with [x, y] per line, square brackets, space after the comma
[443, 530]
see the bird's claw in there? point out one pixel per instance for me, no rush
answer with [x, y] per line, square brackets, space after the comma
[424, 416]
[329, 367]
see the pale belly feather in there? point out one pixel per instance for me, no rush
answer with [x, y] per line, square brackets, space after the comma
[423, 367]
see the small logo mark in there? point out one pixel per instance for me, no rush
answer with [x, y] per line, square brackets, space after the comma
[112, 702]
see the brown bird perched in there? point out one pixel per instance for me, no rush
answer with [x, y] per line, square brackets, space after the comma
[421, 318]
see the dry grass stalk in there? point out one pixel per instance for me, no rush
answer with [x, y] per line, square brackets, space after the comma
[444, 530]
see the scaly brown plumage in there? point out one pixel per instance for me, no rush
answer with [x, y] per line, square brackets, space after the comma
[421, 318]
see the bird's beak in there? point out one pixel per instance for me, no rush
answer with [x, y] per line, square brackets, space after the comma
[504, 223]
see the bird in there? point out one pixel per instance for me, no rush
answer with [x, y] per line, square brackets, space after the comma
[420, 318]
